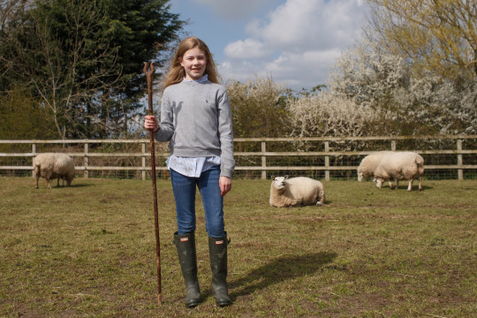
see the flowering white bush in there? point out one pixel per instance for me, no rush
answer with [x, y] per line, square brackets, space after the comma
[330, 115]
[408, 104]
[369, 93]
[367, 78]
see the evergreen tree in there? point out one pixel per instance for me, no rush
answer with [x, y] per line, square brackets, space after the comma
[83, 59]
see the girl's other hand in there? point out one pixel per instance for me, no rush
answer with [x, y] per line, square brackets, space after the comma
[225, 184]
[150, 123]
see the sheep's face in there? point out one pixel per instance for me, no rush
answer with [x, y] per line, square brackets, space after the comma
[36, 171]
[363, 174]
[379, 182]
[279, 182]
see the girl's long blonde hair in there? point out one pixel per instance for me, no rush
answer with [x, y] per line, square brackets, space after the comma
[176, 72]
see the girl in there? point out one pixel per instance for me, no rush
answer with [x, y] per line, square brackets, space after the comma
[196, 120]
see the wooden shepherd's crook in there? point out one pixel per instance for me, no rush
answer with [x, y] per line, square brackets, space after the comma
[149, 71]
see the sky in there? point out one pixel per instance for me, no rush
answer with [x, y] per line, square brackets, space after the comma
[294, 42]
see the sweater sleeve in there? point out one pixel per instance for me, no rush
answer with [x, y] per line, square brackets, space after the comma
[166, 126]
[225, 134]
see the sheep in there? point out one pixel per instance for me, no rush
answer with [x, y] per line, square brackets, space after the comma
[392, 165]
[286, 192]
[53, 165]
[369, 164]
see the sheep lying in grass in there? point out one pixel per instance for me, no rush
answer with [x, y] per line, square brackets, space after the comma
[392, 166]
[53, 165]
[286, 192]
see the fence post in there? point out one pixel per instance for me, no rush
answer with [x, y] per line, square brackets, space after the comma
[460, 172]
[33, 151]
[264, 159]
[393, 145]
[143, 172]
[327, 161]
[85, 161]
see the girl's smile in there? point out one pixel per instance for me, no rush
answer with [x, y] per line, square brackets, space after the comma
[194, 63]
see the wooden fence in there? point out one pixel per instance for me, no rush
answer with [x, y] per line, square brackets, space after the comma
[325, 149]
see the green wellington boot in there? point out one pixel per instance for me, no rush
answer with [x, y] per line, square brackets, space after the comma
[185, 245]
[218, 264]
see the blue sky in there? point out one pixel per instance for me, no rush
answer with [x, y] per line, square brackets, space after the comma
[295, 42]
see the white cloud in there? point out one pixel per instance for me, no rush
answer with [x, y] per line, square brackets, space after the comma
[308, 68]
[306, 23]
[288, 24]
[246, 49]
[306, 35]
[296, 70]
[234, 9]
[241, 70]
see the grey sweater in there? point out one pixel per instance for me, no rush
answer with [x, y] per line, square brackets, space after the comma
[196, 119]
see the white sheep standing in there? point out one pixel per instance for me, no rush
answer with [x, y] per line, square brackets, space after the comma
[392, 166]
[53, 165]
[286, 192]
[369, 164]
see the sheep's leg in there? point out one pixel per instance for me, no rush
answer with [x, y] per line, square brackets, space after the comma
[37, 177]
[321, 200]
[48, 179]
[409, 187]
[420, 183]
[379, 183]
[391, 183]
[318, 200]
[397, 183]
[295, 203]
[288, 202]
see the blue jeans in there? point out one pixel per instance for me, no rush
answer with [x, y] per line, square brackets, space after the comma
[184, 189]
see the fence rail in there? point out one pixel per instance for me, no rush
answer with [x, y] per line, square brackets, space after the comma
[328, 151]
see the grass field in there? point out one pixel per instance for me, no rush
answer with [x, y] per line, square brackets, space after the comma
[89, 251]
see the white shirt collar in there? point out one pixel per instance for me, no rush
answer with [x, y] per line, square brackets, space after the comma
[203, 79]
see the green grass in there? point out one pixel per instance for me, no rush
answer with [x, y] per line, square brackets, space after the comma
[89, 251]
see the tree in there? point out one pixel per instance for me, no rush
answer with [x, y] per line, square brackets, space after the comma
[83, 59]
[10, 9]
[56, 51]
[143, 30]
[258, 108]
[436, 36]
[21, 118]
[402, 103]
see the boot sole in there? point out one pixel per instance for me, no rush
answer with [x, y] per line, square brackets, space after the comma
[224, 304]
[192, 305]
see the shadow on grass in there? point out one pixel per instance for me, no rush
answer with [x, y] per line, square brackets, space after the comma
[74, 185]
[280, 269]
[80, 185]
[404, 187]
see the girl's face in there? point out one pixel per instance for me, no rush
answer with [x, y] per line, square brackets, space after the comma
[194, 62]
